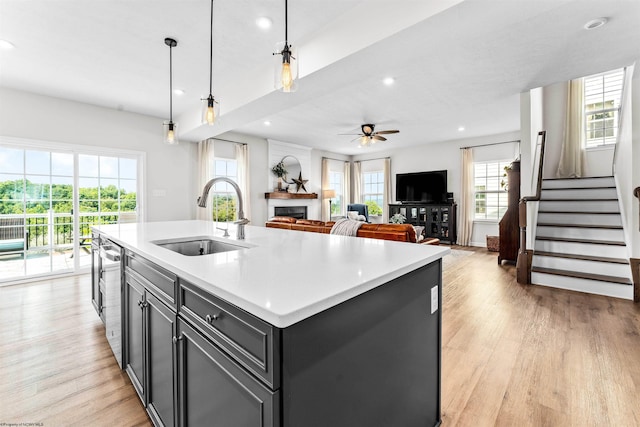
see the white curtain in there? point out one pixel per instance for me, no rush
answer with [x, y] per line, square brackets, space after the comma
[467, 206]
[357, 182]
[572, 155]
[346, 187]
[242, 159]
[386, 197]
[324, 210]
[205, 173]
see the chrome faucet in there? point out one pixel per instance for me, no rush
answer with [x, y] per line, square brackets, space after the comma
[202, 202]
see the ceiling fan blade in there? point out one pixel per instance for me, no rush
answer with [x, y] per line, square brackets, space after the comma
[378, 137]
[349, 134]
[384, 132]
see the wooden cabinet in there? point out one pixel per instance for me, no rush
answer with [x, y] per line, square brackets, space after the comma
[439, 221]
[509, 227]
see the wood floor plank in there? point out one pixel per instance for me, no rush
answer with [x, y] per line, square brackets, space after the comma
[513, 355]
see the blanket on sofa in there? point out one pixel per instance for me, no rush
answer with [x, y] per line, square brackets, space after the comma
[346, 227]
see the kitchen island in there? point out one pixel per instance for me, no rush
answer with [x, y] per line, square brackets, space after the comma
[287, 329]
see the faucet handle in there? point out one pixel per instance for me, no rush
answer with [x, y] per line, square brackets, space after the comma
[242, 221]
[226, 231]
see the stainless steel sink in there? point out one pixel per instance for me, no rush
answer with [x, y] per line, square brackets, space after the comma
[197, 246]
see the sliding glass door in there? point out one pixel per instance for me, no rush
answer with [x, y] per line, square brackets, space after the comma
[50, 199]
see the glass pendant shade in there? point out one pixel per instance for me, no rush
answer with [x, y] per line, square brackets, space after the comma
[286, 68]
[170, 132]
[210, 110]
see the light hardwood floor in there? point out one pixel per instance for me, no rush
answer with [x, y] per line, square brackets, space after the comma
[512, 355]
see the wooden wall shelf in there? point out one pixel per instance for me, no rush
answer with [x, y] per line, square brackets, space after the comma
[285, 195]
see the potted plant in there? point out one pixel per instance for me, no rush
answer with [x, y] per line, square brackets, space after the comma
[279, 170]
[398, 219]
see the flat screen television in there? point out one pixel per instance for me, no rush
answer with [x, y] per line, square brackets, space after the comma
[422, 187]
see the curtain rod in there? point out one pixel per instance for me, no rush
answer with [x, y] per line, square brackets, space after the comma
[228, 140]
[337, 160]
[371, 160]
[492, 143]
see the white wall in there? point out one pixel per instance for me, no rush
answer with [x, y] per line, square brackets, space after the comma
[169, 179]
[445, 155]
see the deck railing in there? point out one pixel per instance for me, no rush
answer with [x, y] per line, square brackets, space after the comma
[53, 229]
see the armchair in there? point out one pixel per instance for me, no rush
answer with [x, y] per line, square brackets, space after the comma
[362, 209]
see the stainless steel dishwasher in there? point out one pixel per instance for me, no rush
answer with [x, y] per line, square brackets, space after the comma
[111, 259]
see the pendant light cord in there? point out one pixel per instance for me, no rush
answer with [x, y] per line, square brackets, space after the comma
[286, 23]
[211, 54]
[170, 85]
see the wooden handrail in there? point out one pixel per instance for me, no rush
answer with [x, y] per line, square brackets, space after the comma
[523, 264]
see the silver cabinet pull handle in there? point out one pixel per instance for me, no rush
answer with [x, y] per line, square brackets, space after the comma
[176, 339]
[210, 318]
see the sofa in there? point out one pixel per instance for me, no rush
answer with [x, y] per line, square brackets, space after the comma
[396, 232]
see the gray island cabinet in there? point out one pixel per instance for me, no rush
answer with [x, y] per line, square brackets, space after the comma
[195, 358]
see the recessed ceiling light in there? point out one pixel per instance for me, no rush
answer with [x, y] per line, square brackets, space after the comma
[460, 128]
[595, 23]
[264, 22]
[5, 44]
[178, 91]
[267, 123]
[388, 81]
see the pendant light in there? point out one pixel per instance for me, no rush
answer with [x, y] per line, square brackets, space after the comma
[210, 107]
[286, 68]
[170, 129]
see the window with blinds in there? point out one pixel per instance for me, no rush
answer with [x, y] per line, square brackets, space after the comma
[602, 94]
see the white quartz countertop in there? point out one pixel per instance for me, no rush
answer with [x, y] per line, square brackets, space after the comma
[283, 276]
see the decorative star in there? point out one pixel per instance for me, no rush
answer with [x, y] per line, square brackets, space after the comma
[300, 183]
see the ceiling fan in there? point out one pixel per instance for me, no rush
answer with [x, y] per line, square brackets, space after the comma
[369, 135]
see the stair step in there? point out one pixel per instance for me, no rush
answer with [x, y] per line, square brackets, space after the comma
[579, 247]
[580, 218]
[603, 181]
[588, 226]
[587, 241]
[597, 234]
[580, 275]
[583, 257]
[597, 287]
[577, 193]
[582, 264]
[584, 206]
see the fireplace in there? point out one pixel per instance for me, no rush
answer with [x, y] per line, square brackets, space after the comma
[297, 212]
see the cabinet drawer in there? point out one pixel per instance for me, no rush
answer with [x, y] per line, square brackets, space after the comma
[249, 340]
[161, 282]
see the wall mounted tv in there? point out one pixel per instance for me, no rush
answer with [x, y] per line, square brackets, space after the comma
[422, 187]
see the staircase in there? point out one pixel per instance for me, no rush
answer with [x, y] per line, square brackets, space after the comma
[579, 242]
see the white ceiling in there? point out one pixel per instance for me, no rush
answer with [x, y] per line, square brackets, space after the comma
[456, 63]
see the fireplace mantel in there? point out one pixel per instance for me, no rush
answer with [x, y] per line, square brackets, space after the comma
[286, 195]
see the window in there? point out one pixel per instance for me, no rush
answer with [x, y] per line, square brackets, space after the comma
[490, 196]
[373, 194]
[225, 198]
[602, 94]
[41, 230]
[336, 183]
